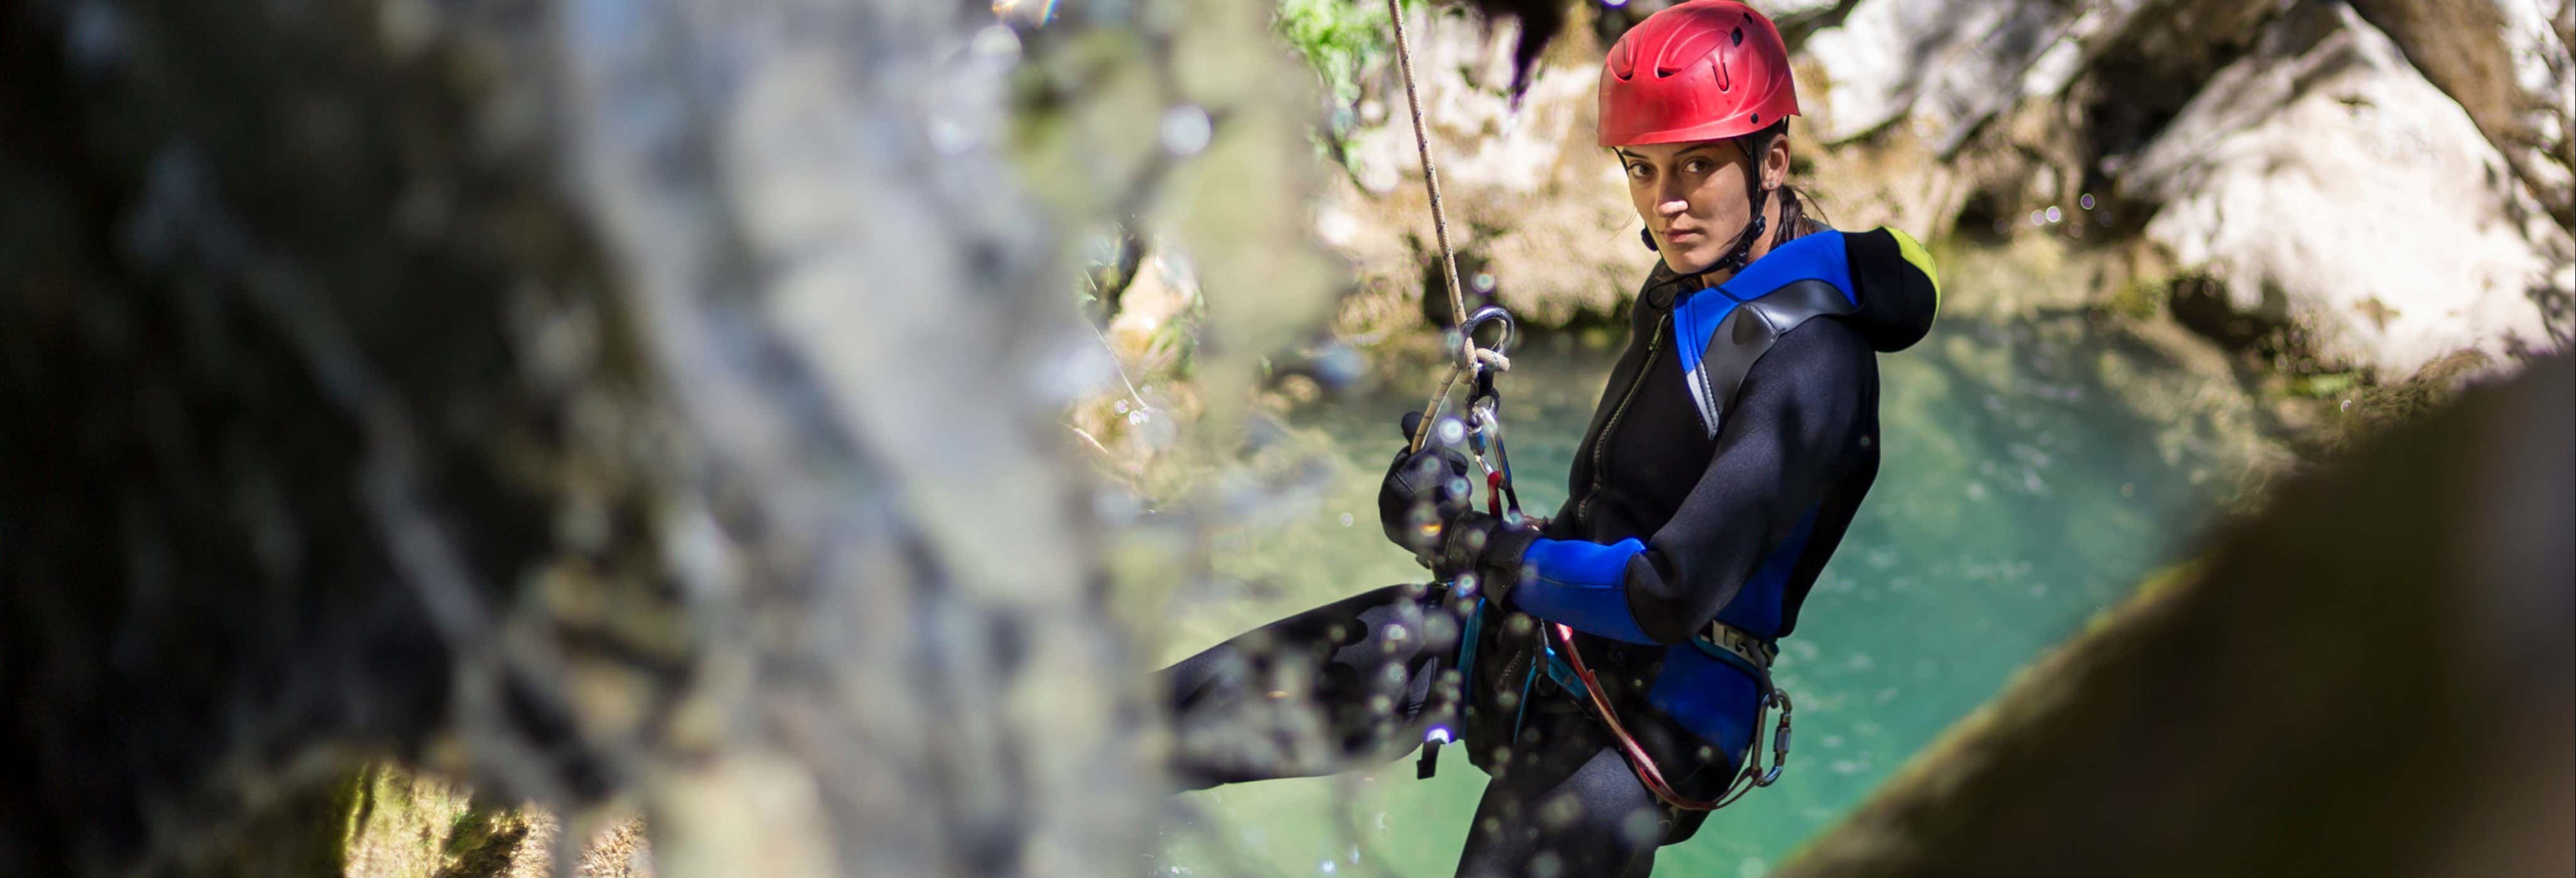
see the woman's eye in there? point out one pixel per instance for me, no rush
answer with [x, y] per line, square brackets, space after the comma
[1696, 166]
[1640, 171]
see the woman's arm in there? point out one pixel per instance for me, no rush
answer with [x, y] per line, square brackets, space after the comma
[1793, 431]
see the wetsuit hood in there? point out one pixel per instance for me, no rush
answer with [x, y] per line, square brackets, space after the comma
[1897, 286]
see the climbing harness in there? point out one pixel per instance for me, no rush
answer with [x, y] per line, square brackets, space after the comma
[1480, 366]
[1754, 774]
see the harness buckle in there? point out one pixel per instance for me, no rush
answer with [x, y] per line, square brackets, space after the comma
[1759, 652]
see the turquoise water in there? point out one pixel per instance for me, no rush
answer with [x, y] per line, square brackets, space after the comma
[2016, 499]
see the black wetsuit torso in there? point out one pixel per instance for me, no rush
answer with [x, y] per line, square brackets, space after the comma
[1647, 465]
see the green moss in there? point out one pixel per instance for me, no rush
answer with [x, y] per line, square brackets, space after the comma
[1338, 38]
[2323, 386]
[2140, 299]
[395, 824]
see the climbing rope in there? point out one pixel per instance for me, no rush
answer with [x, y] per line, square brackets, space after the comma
[1470, 357]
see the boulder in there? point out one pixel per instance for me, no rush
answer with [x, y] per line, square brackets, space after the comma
[1939, 62]
[2505, 62]
[2326, 183]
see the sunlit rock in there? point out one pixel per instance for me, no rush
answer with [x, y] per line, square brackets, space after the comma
[2507, 63]
[1939, 62]
[2327, 184]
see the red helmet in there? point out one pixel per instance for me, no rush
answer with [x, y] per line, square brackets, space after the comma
[1702, 70]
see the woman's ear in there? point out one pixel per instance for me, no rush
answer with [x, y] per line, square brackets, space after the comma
[1775, 163]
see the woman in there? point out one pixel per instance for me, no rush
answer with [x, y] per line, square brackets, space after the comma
[1735, 441]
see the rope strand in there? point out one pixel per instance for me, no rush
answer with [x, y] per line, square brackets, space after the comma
[1439, 223]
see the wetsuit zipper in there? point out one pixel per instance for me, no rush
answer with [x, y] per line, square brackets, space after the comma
[1654, 344]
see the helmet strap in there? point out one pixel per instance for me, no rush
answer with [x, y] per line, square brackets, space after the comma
[1738, 255]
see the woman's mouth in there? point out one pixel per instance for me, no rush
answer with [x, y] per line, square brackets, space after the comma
[1680, 235]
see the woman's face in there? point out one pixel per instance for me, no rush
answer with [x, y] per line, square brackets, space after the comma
[1692, 196]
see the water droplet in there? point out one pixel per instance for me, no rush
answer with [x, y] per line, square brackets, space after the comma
[2053, 215]
[996, 43]
[96, 35]
[1484, 283]
[1346, 519]
[1641, 828]
[2085, 202]
[1186, 130]
[949, 137]
[1452, 431]
[2039, 217]
[1120, 406]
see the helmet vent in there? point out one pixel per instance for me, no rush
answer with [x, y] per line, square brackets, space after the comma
[1738, 36]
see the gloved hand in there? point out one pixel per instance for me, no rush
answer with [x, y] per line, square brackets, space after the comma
[1425, 506]
[1481, 544]
[1422, 492]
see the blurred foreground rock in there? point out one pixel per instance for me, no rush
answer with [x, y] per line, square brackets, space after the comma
[2374, 676]
[633, 404]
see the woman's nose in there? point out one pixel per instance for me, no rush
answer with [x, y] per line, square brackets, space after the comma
[1672, 206]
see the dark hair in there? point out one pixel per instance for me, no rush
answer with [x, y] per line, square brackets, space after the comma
[1794, 221]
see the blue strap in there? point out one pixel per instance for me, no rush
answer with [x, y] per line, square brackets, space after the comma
[1467, 650]
[1760, 677]
[1562, 674]
[1523, 712]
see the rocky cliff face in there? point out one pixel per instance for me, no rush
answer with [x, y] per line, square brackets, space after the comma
[2380, 186]
[2331, 187]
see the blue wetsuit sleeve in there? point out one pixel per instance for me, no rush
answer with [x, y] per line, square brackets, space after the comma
[1795, 427]
[1583, 584]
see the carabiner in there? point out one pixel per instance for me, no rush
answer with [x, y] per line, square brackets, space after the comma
[1779, 740]
[1488, 314]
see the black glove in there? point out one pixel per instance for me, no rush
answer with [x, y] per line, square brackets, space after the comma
[1422, 492]
[1478, 543]
[1425, 506]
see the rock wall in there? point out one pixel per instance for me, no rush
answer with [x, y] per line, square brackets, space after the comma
[2331, 187]
[2420, 215]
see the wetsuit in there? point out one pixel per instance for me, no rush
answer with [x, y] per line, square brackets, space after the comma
[1727, 456]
